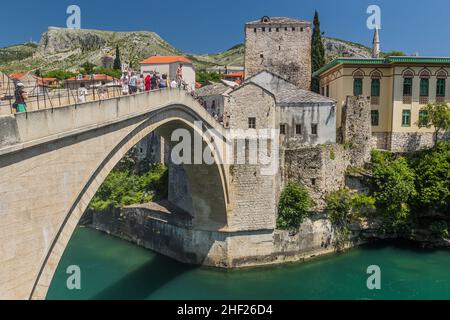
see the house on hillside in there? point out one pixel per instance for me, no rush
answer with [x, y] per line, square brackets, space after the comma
[6, 86]
[90, 81]
[169, 65]
[33, 84]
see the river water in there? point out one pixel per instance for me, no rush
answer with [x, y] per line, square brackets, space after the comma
[115, 269]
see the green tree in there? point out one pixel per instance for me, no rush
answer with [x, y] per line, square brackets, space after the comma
[392, 187]
[122, 188]
[433, 178]
[394, 54]
[59, 74]
[117, 61]
[317, 51]
[293, 207]
[203, 76]
[437, 115]
[87, 68]
[343, 206]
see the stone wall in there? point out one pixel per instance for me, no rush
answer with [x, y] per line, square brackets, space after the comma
[156, 227]
[356, 129]
[410, 142]
[321, 169]
[381, 140]
[250, 101]
[286, 52]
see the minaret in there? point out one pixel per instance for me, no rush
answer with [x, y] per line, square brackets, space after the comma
[376, 45]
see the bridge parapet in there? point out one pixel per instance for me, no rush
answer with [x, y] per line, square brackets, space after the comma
[27, 129]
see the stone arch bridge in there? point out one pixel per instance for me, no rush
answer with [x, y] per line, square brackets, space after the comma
[53, 161]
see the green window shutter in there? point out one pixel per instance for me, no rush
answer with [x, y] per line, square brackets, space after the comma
[422, 118]
[424, 87]
[357, 87]
[440, 88]
[406, 118]
[375, 88]
[374, 115]
[407, 86]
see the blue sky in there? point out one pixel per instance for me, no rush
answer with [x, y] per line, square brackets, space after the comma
[205, 26]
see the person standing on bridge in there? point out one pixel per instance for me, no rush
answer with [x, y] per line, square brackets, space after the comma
[21, 96]
[124, 81]
[180, 75]
[133, 83]
[82, 93]
[141, 84]
[148, 82]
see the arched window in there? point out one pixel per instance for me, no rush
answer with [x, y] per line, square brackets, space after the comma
[441, 85]
[375, 86]
[408, 76]
[424, 86]
[358, 83]
[265, 19]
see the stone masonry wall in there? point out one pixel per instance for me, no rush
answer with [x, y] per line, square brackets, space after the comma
[321, 169]
[172, 235]
[286, 52]
[357, 129]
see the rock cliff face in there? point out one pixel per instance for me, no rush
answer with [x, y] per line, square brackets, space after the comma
[61, 48]
[337, 48]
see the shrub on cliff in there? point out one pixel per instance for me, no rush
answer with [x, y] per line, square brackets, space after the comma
[123, 188]
[392, 187]
[433, 178]
[293, 207]
[343, 206]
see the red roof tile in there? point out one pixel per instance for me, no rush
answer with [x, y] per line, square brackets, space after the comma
[165, 60]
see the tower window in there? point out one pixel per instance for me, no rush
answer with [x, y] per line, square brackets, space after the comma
[298, 129]
[263, 29]
[293, 28]
[314, 129]
[270, 29]
[285, 28]
[301, 29]
[282, 129]
[277, 29]
[252, 123]
[254, 29]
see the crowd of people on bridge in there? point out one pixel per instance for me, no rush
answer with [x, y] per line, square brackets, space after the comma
[132, 82]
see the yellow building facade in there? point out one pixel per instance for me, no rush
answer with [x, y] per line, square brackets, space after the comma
[398, 87]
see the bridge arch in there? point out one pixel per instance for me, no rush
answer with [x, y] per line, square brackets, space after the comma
[210, 200]
[83, 160]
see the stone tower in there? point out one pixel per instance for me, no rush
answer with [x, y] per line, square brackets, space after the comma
[279, 45]
[376, 45]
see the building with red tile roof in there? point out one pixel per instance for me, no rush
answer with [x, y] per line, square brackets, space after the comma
[168, 65]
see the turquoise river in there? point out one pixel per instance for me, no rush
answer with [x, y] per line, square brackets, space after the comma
[115, 269]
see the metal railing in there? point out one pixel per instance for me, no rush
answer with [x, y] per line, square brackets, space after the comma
[43, 96]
